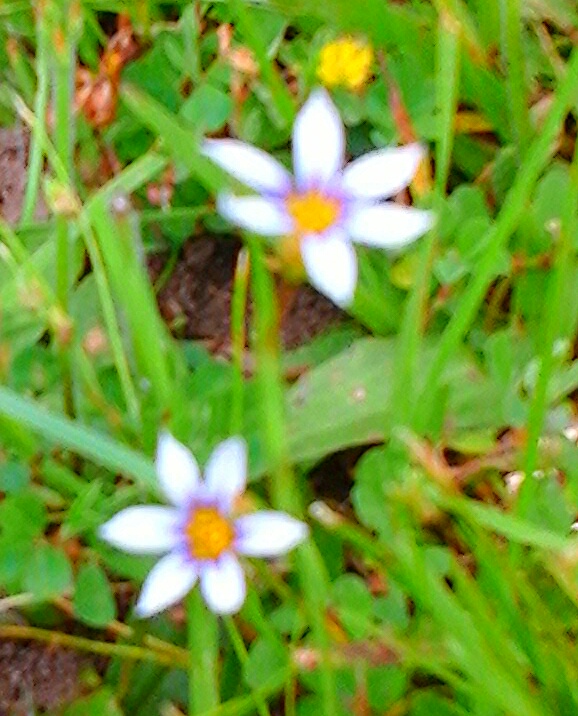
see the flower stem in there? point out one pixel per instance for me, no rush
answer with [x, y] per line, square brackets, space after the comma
[238, 339]
[63, 21]
[40, 104]
[241, 652]
[284, 490]
[204, 650]
[448, 49]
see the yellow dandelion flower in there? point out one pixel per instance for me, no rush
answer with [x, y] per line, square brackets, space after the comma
[345, 61]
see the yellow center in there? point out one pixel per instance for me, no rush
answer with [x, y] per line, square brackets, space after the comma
[346, 62]
[312, 212]
[209, 534]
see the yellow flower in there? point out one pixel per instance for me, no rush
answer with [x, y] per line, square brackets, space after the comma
[346, 62]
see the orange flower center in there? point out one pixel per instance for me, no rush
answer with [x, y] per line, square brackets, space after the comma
[209, 534]
[312, 211]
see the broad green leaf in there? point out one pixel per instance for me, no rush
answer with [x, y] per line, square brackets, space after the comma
[342, 402]
[14, 476]
[48, 573]
[345, 401]
[386, 685]
[207, 109]
[22, 517]
[268, 661]
[350, 593]
[12, 565]
[93, 600]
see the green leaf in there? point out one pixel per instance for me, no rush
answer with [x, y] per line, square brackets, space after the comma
[22, 517]
[48, 573]
[343, 402]
[385, 686]
[101, 703]
[14, 476]
[428, 703]
[510, 526]
[93, 599]
[346, 400]
[351, 594]
[11, 565]
[377, 470]
[268, 662]
[60, 430]
[549, 508]
[392, 609]
[177, 137]
[83, 514]
[156, 75]
[207, 109]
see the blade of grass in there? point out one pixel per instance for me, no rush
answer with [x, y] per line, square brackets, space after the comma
[64, 22]
[243, 657]
[190, 24]
[104, 648]
[239, 339]
[510, 526]
[512, 50]
[505, 688]
[178, 140]
[560, 283]
[132, 178]
[385, 23]
[61, 431]
[115, 233]
[281, 98]
[512, 211]
[40, 107]
[409, 341]
[284, 491]
[245, 704]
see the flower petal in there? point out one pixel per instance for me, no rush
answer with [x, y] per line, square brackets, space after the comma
[331, 265]
[226, 471]
[167, 583]
[318, 141]
[255, 213]
[144, 529]
[388, 226]
[268, 533]
[178, 472]
[223, 585]
[250, 165]
[382, 173]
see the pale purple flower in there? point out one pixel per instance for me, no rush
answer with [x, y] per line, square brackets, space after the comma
[198, 535]
[328, 207]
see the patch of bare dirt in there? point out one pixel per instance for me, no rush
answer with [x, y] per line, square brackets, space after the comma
[13, 161]
[38, 677]
[195, 301]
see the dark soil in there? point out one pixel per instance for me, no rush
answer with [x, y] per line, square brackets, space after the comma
[13, 150]
[37, 676]
[13, 158]
[196, 299]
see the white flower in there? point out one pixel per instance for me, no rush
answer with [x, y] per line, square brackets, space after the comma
[200, 537]
[327, 206]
